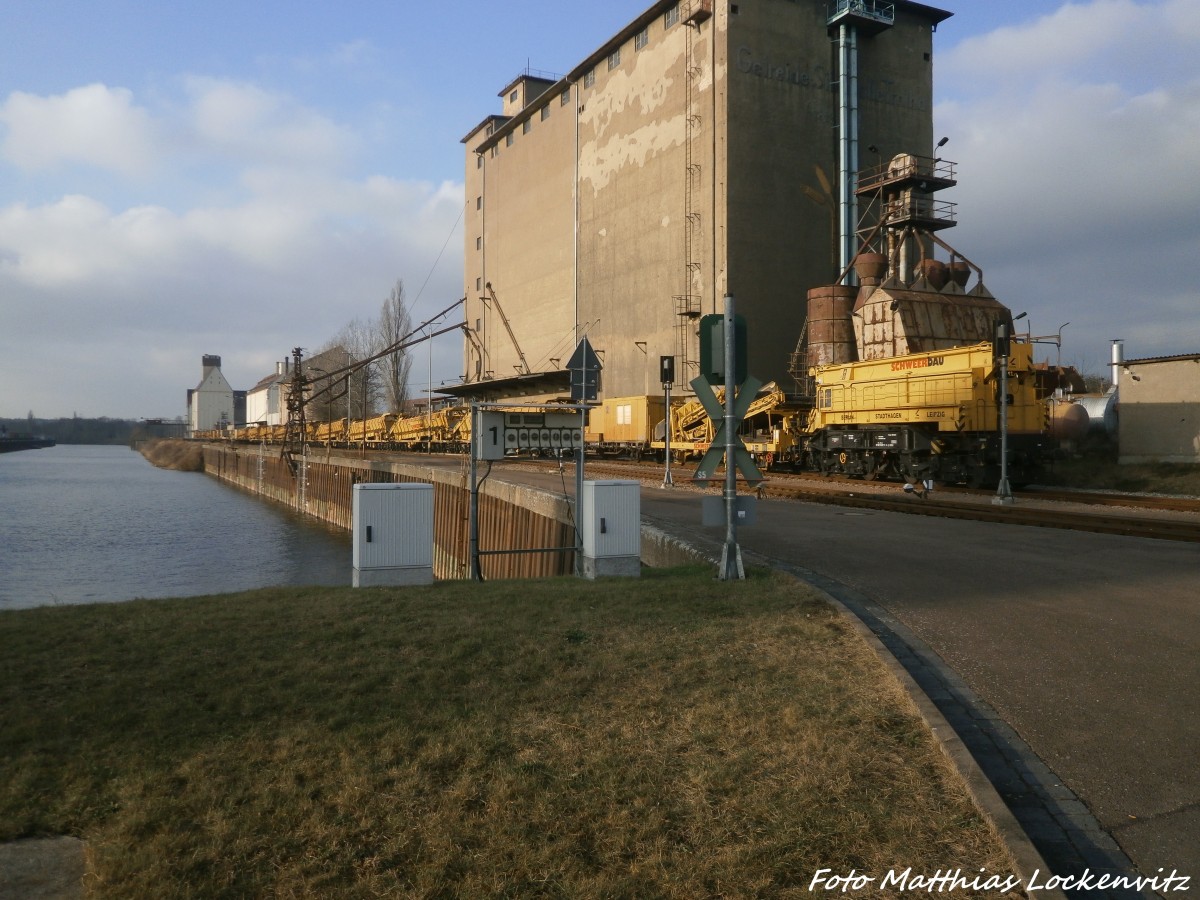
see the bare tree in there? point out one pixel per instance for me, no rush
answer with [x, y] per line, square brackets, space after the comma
[355, 393]
[358, 337]
[394, 324]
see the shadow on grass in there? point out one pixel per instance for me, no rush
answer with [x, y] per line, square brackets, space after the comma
[660, 736]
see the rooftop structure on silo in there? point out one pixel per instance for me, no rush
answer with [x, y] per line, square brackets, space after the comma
[869, 16]
[907, 299]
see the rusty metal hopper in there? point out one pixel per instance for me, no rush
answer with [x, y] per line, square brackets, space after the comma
[896, 319]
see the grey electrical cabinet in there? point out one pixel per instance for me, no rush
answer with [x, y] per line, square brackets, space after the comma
[610, 524]
[392, 525]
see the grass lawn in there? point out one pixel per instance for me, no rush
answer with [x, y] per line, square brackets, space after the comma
[670, 736]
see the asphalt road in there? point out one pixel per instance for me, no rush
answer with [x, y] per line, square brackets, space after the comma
[1087, 645]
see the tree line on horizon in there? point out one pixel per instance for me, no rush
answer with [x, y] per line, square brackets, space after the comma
[73, 430]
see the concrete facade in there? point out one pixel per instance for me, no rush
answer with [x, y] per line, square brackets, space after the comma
[1160, 410]
[266, 401]
[210, 403]
[695, 153]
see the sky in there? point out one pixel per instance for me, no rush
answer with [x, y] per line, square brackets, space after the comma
[189, 178]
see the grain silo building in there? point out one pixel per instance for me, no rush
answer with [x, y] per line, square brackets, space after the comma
[708, 147]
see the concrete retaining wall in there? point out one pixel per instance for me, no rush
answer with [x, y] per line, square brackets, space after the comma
[511, 517]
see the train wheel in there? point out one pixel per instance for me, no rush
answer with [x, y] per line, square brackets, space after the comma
[884, 467]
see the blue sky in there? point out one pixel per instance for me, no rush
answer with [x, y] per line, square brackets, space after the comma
[186, 178]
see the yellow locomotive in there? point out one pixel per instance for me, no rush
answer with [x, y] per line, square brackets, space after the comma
[928, 415]
[903, 368]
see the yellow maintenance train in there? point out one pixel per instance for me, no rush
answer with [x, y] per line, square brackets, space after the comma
[898, 370]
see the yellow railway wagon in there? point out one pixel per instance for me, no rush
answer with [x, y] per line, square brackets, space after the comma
[372, 432]
[332, 433]
[764, 430]
[445, 429]
[690, 426]
[624, 424]
[927, 415]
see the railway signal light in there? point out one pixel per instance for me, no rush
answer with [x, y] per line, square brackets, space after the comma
[666, 370]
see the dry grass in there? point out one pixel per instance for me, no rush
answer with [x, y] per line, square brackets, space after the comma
[1100, 471]
[668, 737]
[182, 456]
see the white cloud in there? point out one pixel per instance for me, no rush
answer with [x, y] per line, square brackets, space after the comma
[1103, 41]
[219, 121]
[1078, 139]
[94, 125]
[254, 125]
[93, 298]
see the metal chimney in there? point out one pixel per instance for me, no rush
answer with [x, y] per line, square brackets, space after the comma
[1118, 358]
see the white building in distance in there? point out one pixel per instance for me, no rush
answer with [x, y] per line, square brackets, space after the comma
[210, 403]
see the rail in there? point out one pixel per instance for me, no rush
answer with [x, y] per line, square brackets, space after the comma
[968, 504]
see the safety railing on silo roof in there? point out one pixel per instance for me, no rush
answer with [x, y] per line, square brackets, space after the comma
[875, 11]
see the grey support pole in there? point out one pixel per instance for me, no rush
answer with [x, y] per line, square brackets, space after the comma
[668, 481]
[579, 494]
[731, 553]
[1004, 496]
[473, 499]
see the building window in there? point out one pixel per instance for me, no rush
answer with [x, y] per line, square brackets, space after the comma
[526, 125]
[641, 39]
[733, 9]
[565, 97]
[614, 59]
[545, 113]
[495, 149]
[589, 80]
[479, 243]
[479, 160]
[479, 202]
[512, 98]
[671, 16]
[478, 287]
[508, 139]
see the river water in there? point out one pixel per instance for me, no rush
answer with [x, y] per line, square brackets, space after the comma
[92, 524]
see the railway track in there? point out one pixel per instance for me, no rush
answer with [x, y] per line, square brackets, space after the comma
[1134, 515]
